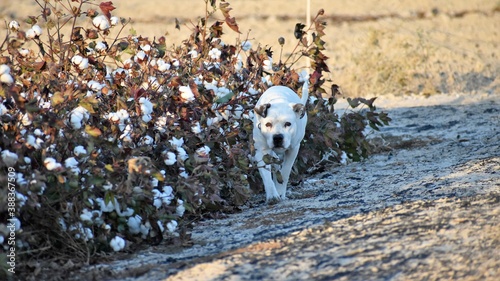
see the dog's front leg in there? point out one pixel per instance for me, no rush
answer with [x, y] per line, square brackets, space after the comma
[265, 174]
[286, 169]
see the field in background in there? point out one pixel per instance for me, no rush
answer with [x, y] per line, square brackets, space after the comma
[375, 47]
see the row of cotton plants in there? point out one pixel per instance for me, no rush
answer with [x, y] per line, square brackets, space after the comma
[117, 141]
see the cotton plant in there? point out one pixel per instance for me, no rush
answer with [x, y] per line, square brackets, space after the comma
[83, 112]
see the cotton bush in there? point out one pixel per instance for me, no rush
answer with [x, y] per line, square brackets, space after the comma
[121, 140]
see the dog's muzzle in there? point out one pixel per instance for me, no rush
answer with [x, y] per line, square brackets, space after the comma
[278, 140]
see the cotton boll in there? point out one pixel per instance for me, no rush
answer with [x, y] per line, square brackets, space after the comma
[6, 78]
[80, 62]
[175, 142]
[214, 54]
[303, 76]
[4, 69]
[182, 154]
[134, 224]
[238, 111]
[183, 173]
[170, 159]
[193, 53]
[126, 133]
[147, 140]
[14, 25]
[37, 29]
[127, 213]
[122, 114]
[196, 128]
[101, 22]
[119, 117]
[87, 234]
[78, 115]
[186, 93]
[114, 21]
[95, 86]
[146, 118]
[246, 45]
[79, 150]
[26, 120]
[146, 106]
[157, 202]
[24, 52]
[162, 65]
[268, 64]
[168, 195]
[145, 228]
[86, 215]
[84, 64]
[34, 142]
[146, 48]
[105, 208]
[101, 47]
[77, 59]
[72, 164]
[128, 64]
[140, 56]
[51, 164]
[34, 32]
[180, 208]
[113, 117]
[172, 226]
[117, 243]
[214, 121]
[38, 132]
[202, 154]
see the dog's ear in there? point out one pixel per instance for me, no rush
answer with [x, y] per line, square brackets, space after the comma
[299, 109]
[262, 109]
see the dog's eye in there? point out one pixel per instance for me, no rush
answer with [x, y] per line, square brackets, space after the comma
[269, 125]
[288, 124]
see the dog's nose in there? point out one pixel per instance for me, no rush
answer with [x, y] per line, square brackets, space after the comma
[278, 140]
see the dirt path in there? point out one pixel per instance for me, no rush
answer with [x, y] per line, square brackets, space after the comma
[426, 208]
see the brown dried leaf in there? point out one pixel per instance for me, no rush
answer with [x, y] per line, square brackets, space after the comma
[106, 8]
[224, 8]
[93, 131]
[231, 22]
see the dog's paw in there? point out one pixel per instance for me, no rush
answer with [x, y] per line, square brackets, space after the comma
[273, 200]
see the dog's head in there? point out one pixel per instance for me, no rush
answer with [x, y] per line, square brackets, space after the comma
[278, 123]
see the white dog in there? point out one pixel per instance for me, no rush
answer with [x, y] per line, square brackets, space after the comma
[279, 127]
